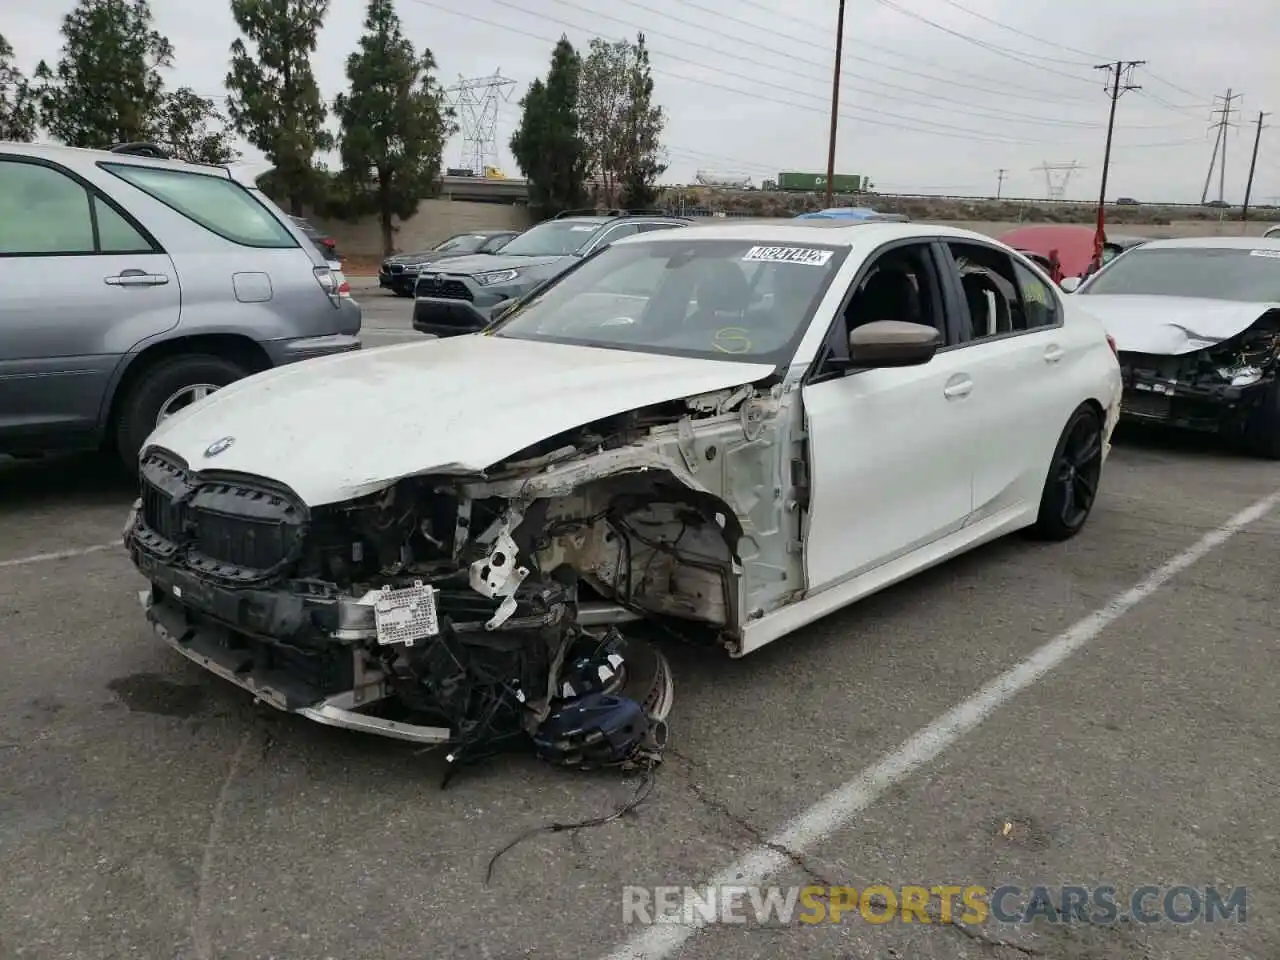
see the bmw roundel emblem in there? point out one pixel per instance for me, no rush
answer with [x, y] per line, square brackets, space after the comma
[218, 446]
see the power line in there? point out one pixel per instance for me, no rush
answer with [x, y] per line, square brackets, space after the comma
[1019, 56]
[1021, 93]
[866, 116]
[929, 100]
[1023, 33]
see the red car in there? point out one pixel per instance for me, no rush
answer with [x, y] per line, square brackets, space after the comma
[1072, 242]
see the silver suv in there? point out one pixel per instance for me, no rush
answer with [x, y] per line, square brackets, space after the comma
[132, 286]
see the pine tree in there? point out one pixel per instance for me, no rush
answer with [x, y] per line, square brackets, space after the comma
[548, 145]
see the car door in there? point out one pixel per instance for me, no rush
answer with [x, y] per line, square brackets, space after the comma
[889, 450]
[1013, 340]
[82, 282]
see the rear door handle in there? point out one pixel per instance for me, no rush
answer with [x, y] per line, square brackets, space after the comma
[958, 388]
[136, 278]
[1052, 353]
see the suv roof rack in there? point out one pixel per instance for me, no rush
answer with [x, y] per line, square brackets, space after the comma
[153, 150]
[607, 212]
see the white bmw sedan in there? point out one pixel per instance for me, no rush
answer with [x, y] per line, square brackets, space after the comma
[734, 429]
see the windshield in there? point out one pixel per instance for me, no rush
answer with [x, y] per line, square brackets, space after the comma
[718, 299]
[1248, 276]
[555, 238]
[463, 243]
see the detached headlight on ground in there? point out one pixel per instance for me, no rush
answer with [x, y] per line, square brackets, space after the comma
[497, 276]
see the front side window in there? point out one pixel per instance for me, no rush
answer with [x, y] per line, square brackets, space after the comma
[43, 211]
[218, 204]
[1213, 273]
[718, 299]
[554, 238]
[1040, 304]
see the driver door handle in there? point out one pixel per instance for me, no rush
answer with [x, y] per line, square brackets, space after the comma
[1052, 353]
[958, 387]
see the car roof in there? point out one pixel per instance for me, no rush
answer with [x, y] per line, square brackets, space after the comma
[73, 156]
[838, 233]
[1215, 243]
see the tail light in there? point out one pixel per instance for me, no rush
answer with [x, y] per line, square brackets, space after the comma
[332, 283]
[329, 242]
[1111, 342]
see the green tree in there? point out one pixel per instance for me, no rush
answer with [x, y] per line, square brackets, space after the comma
[642, 125]
[275, 102]
[548, 145]
[621, 128]
[193, 129]
[18, 113]
[393, 123]
[107, 87]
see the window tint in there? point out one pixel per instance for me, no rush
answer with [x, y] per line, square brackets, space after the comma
[219, 205]
[115, 233]
[617, 233]
[1039, 302]
[42, 211]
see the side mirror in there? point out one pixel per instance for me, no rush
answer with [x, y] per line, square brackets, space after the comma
[892, 343]
[1070, 284]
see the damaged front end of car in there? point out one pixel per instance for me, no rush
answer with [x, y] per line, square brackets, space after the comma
[1221, 387]
[481, 610]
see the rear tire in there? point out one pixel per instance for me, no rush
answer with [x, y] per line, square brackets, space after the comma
[140, 408]
[1071, 485]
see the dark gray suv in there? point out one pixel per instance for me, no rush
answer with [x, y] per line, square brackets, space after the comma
[459, 296]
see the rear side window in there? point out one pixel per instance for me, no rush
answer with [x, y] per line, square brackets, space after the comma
[219, 205]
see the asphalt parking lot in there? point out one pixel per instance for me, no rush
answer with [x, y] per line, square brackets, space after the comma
[147, 809]
[388, 319]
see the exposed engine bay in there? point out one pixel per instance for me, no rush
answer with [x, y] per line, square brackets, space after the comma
[1220, 387]
[483, 612]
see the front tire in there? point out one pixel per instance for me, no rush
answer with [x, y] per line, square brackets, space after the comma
[161, 391]
[1071, 486]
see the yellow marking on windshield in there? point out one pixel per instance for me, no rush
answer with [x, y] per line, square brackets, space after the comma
[731, 340]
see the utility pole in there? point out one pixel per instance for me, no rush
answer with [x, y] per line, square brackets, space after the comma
[1116, 71]
[1253, 163]
[1220, 143]
[1000, 181]
[835, 102]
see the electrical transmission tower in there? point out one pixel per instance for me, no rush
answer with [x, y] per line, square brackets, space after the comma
[1224, 114]
[476, 100]
[1057, 176]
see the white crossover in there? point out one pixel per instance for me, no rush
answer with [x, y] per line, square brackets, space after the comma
[729, 430]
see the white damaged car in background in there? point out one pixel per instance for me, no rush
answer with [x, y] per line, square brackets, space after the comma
[727, 430]
[1197, 324]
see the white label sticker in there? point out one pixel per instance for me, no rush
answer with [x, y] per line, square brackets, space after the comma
[804, 255]
[1275, 254]
[587, 229]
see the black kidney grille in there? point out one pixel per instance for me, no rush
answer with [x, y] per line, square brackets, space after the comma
[240, 541]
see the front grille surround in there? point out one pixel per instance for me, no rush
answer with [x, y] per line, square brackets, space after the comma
[230, 527]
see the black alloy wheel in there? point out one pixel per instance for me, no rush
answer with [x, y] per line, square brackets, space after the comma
[1072, 483]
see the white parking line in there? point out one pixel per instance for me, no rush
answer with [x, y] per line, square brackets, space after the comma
[839, 807]
[58, 555]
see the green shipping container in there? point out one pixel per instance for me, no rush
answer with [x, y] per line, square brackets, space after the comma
[817, 182]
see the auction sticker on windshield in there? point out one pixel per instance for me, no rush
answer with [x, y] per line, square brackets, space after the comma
[1265, 253]
[808, 256]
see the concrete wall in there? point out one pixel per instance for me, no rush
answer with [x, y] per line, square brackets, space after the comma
[435, 220]
[439, 219]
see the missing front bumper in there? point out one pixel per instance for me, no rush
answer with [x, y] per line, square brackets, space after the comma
[210, 647]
